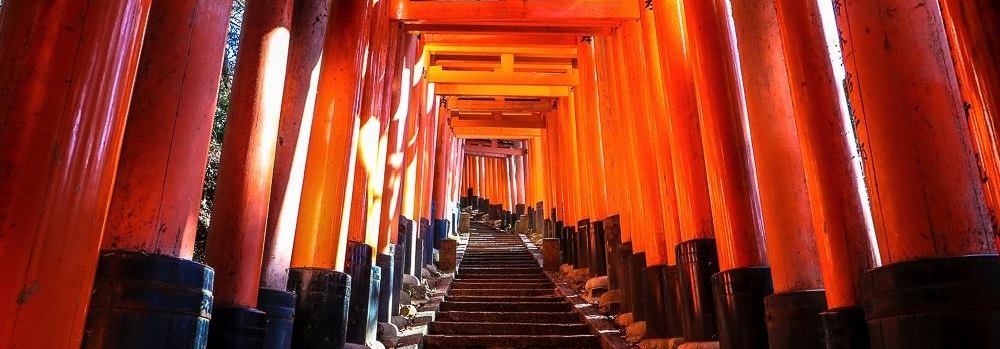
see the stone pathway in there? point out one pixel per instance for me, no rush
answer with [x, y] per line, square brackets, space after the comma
[500, 298]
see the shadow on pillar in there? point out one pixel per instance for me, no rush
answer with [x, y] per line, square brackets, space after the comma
[149, 301]
[321, 307]
[697, 261]
[934, 303]
[280, 309]
[739, 306]
[793, 319]
[365, 281]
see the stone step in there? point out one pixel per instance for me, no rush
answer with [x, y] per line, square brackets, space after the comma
[501, 299]
[506, 271]
[530, 317]
[510, 341]
[504, 292]
[506, 329]
[530, 276]
[458, 285]
[517, 307]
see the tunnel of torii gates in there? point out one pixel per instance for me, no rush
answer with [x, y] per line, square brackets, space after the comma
[704, 154]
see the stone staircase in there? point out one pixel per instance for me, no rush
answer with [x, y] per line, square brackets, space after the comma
[501, 299]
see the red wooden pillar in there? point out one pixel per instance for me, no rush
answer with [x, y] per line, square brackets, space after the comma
[975, 46]
[317, 268]
[845, 251]
[309, 23]
[239, 213]
[927, 201]
[784, 200]
[73, 62]
[731, 181]
[152, 219]
[694, 210]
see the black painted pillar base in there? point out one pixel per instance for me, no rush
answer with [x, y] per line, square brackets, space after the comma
[405, 246]
[598, 261]
[672, 297]
[656, 316]
[321, 308]
[793, 319]
[440, 231]
[386, 264]
[149, 301]
[697, 261]
[613, 242]
[583, 244]
[280, 309]
[237, 327]
[428, 242]
[637, 282]
[845, 328]
[625, 252]
[374, 289]
[359, 266]
[739, 306]
[397, 279]
[934, 303]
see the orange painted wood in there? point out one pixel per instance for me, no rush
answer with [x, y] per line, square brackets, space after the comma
[576, 134]
[614, 155]
[694, 210]
[974, 34]
[154, 207]
[926, 196]
[784, 198]
[434, 118]
[651, 217]
[543, 11]
[235, 244]
[298, 103]
[727, 150]
[65, 85]
[592, 132]
[321, 232]
[655, 125]
[845, 251]
[633, 217]
[394, 170]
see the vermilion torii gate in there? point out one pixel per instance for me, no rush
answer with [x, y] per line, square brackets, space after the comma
[712, 158]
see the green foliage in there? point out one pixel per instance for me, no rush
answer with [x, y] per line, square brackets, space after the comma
[218, 127]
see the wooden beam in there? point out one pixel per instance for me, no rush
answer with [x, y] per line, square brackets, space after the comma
[516, 50]
[497, 132]
[444, 89]
[492, 151]
[494, 11]
[458, 104]
[512, 39]
[438, 75]
[501, 29]
[504, 122]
